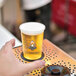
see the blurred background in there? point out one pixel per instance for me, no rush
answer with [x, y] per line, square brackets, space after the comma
[59, 17]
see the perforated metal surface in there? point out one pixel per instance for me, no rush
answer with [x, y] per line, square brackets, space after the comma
[52, 55]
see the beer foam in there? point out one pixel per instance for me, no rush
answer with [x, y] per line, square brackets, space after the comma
[32, 28]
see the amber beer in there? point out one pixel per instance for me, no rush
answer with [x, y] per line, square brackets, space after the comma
[32, 38]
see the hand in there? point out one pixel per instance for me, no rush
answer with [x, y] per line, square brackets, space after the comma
[10, 66]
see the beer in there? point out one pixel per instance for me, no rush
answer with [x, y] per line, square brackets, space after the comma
[32, 38]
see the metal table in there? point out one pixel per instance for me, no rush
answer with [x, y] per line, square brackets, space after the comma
[52, 55]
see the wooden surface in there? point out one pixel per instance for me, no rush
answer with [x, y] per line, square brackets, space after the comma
[52, 55]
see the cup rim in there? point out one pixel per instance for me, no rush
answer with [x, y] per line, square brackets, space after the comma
[32, 28]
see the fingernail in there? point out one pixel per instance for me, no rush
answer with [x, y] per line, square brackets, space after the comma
[12, 40]
[42, 63]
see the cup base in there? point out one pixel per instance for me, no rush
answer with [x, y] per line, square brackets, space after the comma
[42, 56]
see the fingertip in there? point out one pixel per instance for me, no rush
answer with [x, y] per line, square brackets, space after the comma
[12, 41]
[39, 63]
[42, 63]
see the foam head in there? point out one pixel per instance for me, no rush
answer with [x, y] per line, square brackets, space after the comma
[32, 28]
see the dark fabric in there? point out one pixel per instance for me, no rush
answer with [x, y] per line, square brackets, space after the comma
[40, 15]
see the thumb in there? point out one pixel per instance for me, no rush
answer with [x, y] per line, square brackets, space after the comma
[32, 66]
[9, 45]
[12, 42]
